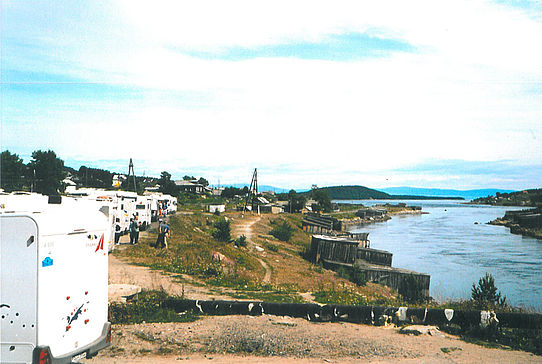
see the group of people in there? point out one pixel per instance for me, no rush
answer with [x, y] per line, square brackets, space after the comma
[134, 227]
[164, 232]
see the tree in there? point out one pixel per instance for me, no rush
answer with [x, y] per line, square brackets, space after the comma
[486, 295]
[223, 230]
[47, 172]
[282, 231]
[230, 192]
[12, 172]
[167, 186]
[323, 200]
[203, 181]
[188, 178]
[93, 177]
[297, 201]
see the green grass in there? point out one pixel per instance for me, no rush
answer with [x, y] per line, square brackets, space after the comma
[148, 307]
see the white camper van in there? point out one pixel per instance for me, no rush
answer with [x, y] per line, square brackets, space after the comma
[171, 204]
[53, 291]
[143, 211]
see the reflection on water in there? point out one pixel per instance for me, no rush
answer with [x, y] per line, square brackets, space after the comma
[448, 244]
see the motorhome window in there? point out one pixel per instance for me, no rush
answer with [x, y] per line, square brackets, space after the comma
[140, 207]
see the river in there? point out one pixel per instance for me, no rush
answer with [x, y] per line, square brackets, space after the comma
[448, 244]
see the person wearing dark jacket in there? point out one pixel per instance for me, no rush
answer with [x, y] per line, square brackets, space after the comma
[117, 231]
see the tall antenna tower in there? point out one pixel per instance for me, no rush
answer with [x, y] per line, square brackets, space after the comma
[252, 192]
[131, 172]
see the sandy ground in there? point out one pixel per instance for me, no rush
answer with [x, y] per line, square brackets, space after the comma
[274, 339]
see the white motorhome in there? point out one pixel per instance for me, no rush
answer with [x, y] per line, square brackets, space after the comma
[122, 203]
[127, 204]
[143, 210]
[53, 291]
[171, 204]
[157, 205]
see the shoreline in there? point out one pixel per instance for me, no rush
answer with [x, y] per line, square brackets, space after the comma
[516, 228]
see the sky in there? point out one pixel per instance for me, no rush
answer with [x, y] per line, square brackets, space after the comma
[433, 94]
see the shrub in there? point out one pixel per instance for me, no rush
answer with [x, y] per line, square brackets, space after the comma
[241, 241]
[282, 231]
[272, 247]
[486, 295]
[223, 230]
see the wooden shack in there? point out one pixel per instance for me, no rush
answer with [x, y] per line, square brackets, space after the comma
[317, 224]
[335, 252]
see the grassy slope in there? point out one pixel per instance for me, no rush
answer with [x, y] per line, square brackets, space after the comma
[190, 252]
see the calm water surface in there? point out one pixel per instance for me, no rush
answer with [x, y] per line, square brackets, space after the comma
[447, 244]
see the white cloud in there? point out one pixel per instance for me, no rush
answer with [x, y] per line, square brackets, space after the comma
[463, 94]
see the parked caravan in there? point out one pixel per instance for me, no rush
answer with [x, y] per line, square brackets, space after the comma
[122, 203]
[154, 207]
[127, 204]
[171, 204]
[143, 211]
[53, 291]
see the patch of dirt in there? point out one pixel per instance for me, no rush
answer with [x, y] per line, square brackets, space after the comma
[275, 339]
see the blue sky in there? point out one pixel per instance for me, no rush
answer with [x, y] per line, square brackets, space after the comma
[441, 94]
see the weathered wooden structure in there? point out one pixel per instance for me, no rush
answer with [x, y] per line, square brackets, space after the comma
[373, 212]
[336, 252]
[317, 224]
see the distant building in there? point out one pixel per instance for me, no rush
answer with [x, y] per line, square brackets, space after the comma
[271, 209]
[217, 191]
[152, 189]
[214, 208]
[192, 186]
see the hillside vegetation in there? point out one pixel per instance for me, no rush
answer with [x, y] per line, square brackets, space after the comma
[531, 198]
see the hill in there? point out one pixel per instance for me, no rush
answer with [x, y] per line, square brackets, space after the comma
[365, 193]
[437, 192]
[354, 193]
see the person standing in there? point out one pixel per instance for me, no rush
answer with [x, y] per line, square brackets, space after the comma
[137, 228]
[163, 232]
[117, 230]
[160, 237]
[167, 233]
[134, 231]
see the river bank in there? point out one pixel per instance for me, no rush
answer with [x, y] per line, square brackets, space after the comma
[380, 213]
[523, 222]
[455, 245]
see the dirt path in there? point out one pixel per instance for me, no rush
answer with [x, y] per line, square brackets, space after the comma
[243, 226]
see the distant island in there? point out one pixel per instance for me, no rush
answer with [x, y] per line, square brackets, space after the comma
[365, 193]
